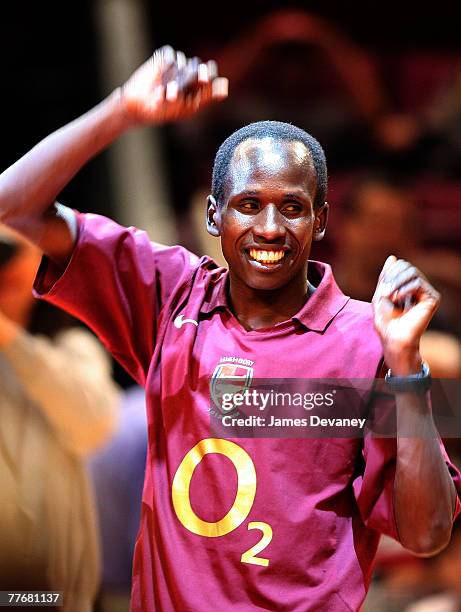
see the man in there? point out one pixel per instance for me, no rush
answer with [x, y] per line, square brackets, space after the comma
[252, 524]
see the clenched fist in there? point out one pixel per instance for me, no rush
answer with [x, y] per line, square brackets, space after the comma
[170, 86]
[404, 303]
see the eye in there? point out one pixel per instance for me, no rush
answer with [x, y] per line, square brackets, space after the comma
[248, 205]
[292, 208]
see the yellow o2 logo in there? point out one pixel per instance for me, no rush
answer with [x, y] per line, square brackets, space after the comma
[246, 491]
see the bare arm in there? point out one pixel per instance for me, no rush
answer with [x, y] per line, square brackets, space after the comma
[424, 492]
[28, 188]
[166, 87]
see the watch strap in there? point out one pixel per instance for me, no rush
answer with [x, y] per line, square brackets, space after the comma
[413, 383]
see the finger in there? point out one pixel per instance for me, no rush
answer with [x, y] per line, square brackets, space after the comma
[207, 93]
[220, 88]
[212, 69]
[396, 273]
[173, 65]
[188, 78]
[396, 280]
[396, 268]
[418, 289]
[407, 295]
[387, 280]
[169, 73]
[171, 91]
[196, 75]
[181, 60]
[164, 58]
[203, 73]
[383, 310]
[382, 287]
[389, 261]
[167, 54]
[379, 293]
[185, 103]
[193, 99]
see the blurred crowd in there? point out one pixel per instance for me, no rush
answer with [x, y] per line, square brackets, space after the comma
[73, 442]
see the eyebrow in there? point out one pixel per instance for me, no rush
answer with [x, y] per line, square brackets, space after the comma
[297, 194]
[289, 194]
[252, 192]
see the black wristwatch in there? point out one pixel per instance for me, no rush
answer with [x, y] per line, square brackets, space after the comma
[413, 383]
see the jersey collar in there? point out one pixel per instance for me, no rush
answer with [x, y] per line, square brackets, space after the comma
[319, 310]
[326, 301]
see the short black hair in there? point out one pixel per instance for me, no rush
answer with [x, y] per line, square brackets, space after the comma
[277, 130]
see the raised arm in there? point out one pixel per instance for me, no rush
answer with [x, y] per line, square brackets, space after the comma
[168, 86]
[424, 493]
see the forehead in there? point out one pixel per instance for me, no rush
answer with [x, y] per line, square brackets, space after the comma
[266, 160]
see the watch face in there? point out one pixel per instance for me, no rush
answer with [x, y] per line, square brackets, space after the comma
[7, 251]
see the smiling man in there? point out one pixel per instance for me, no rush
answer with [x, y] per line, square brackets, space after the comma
[268, 204]
[243, 524]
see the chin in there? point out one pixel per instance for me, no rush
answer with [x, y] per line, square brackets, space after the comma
[266, 284]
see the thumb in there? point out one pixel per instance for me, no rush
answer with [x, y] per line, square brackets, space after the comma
[388, 263]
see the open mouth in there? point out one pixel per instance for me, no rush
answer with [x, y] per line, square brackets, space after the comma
[267, 258]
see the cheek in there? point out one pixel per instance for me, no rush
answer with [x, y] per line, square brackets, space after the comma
[302, 231]
[234, 227]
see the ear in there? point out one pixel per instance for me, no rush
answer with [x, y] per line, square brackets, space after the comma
[320, 223]
[213, 217]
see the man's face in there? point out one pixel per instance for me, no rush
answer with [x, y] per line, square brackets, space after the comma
[383, 221]
[267, 221]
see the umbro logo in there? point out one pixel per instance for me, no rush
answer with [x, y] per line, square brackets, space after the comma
[180, 321]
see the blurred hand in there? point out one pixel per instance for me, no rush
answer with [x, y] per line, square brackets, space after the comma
[404, 303]
[170, 86]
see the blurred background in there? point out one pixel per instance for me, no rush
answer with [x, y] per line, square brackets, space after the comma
[379, 84]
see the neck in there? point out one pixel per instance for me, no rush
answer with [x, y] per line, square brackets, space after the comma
[257, 309]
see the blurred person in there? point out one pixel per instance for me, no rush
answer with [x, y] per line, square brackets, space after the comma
[442, 579]
[315, 507]
[443, 267]
[424, 132]
[410, 584]
[378, 217]
[443, 353]
[57, 403]
[325, 82]
[117, 473]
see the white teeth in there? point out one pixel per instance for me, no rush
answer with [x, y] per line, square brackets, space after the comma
[266, 256]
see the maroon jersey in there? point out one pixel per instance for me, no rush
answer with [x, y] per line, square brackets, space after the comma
[233, 524]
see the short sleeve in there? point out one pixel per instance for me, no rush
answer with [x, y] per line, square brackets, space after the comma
[117, 282]
[374, 487]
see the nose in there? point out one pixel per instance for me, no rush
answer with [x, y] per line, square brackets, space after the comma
[269, 226]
